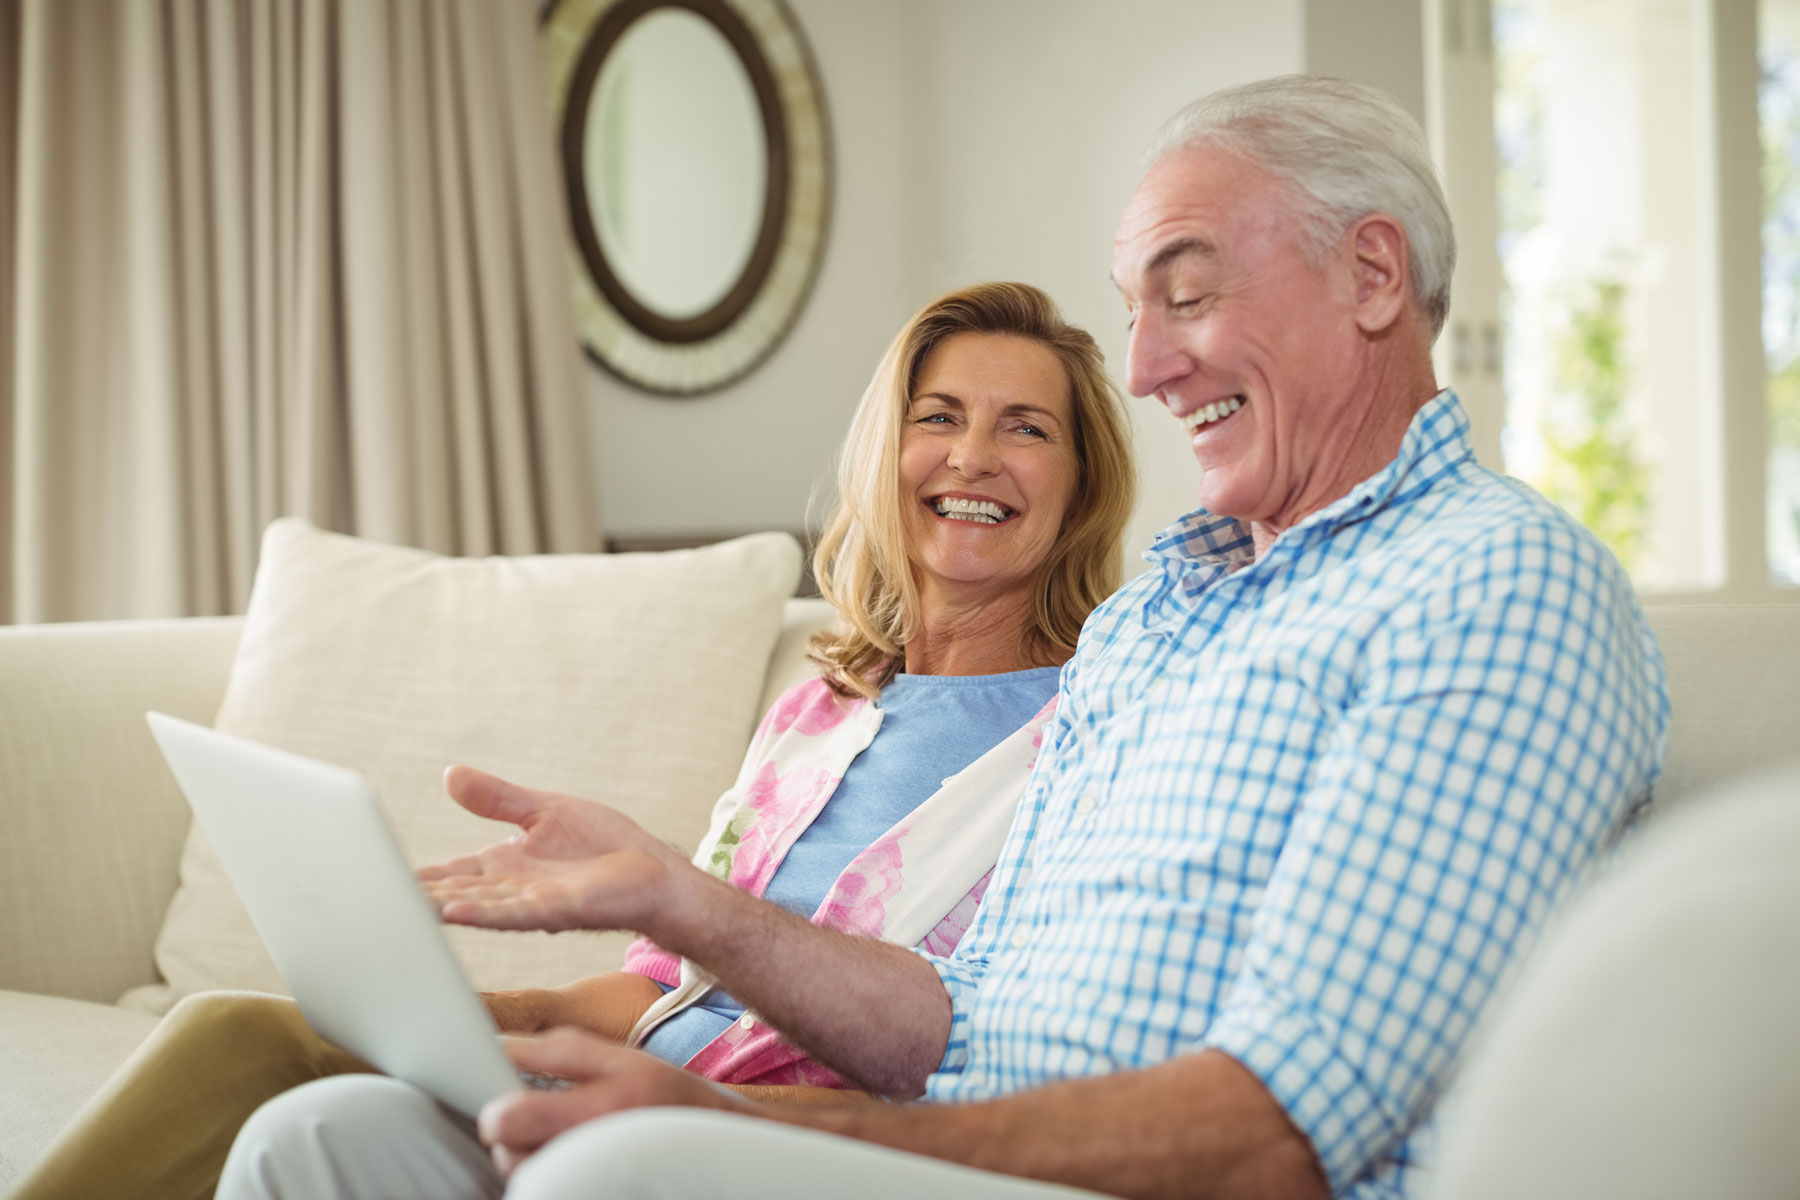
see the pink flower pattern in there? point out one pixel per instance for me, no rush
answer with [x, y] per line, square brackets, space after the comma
[761, 1056]
[802, 733]
[811, 708]
[777, 809]
[857, 901]
[1042, 721]
[949, 931]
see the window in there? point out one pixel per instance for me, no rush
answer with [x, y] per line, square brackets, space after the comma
[1625, 185]
[1599, 110]
[1778, 104]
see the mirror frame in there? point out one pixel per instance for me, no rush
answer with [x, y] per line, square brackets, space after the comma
[708, 351]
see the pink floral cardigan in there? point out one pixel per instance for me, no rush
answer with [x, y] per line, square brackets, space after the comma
[918, 884]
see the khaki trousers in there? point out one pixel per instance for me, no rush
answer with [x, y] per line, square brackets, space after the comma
[161, 1127]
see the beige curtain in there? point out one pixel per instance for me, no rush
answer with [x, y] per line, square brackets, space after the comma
[267, 257]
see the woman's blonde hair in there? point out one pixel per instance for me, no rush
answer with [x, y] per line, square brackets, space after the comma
[860, 562]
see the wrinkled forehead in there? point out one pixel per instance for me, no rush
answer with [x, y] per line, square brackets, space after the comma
[1017, 371]
[1192, 203]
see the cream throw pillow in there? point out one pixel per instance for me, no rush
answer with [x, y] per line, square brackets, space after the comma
[630, 678]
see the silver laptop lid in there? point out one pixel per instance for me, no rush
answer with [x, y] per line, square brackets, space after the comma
[329, 891]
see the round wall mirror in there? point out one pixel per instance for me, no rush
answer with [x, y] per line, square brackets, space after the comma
[695, 155]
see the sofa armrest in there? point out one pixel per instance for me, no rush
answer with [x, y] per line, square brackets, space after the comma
[92, 821]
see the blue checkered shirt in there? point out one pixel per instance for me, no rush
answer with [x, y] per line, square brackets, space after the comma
[1306, 809]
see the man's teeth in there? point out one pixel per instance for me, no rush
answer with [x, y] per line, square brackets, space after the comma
[1206, 414]
[984, 512]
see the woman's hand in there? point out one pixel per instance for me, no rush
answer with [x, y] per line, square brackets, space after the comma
[525, 1010]
[573, 865]
[604, 1079]
[607, 1005]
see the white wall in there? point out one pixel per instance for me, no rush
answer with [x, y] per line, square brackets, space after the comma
[1040, 112]
[989, 140]
[746, 457]
[974, 139]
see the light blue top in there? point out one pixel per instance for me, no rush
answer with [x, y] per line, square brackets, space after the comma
[1306, 809]
[932, 726]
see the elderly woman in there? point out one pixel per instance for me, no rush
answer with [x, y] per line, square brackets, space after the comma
[982, 494]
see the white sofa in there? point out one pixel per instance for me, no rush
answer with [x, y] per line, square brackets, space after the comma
[94, 828]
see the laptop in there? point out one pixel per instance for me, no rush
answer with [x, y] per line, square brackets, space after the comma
[322, 876]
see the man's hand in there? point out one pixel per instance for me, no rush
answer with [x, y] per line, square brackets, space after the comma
[875, 1011]
[605, 1079]
[1198, 1125]
[573, 865]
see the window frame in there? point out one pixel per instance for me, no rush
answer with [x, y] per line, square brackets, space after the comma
[1459, 75]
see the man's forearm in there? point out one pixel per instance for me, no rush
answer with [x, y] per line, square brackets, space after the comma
[874, 1011]
[1201, 1125]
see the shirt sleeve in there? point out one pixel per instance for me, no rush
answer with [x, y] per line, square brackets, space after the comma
[1508, 722]
[961, 978]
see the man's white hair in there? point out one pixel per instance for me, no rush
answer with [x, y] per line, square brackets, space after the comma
[1348, 149]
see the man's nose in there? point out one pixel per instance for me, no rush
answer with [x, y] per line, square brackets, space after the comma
[974, 453]
[1153, 359]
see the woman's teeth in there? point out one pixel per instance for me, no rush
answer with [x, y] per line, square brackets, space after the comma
[1206, 414]
[984, 512]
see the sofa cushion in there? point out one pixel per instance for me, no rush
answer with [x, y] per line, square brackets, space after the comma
[1647, 1048]
[630, 678]
[54, 1054]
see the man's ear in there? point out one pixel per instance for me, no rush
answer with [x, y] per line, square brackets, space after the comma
[1380, 271]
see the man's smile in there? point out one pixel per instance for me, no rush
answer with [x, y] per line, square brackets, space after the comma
[1208, 414]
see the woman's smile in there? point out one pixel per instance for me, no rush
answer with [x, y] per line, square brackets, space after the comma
[987, 458]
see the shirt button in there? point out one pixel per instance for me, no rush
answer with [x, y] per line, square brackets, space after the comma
[1020, 937]
[746, 1022]
[1086, 804]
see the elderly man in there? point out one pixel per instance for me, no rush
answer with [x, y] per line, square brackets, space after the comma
[1315, 781]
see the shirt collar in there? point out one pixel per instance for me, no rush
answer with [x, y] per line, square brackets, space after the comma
[1436, 441]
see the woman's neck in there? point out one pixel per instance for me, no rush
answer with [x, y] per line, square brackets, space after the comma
[985, 637]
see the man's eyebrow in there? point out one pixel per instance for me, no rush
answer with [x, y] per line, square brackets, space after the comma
[1179, 248]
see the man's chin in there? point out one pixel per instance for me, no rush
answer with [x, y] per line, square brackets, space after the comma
[1220, 493]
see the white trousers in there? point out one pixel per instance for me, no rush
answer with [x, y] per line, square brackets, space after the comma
[369, 1137]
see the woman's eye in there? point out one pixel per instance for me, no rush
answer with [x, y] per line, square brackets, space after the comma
[1034, 431]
